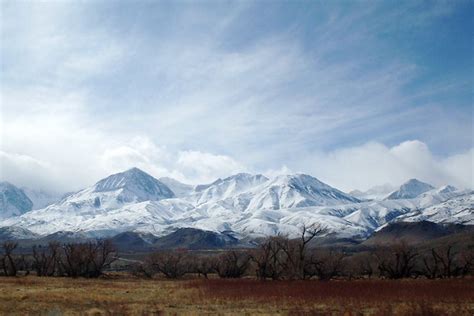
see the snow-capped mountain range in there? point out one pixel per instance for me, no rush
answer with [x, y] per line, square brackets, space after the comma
[245, 204]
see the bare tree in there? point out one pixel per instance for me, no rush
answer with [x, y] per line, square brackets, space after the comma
[298, 265]
[270, 258]
[7, 261]
[446, 262]
[360, 265]
[397, 261]
[88, 259]
[202, 265]
[101, 255]
[446, 257]
[75, 261]
[173, 264]
[144, 269]
[431, 265]
[467, 262]
[326, 264]
[232, 264]
[46, 261]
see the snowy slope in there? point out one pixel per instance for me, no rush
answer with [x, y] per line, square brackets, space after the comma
[161, 217]
[179, 189]
[41, 198]
[134, 185]
[13, 233]
[297, 190]
[13, 201]
[439, 195]
[458, 209]
[131, 186]
[104, 206]
[247, 193]
[375, 193]
[153, 215]
[222, 189]
[409, 190]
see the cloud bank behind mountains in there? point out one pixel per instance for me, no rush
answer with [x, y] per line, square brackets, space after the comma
[358, 167]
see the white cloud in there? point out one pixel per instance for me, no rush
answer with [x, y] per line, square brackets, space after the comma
[20, 169]
[98, 161]
[283, 170]
[363, 167]
[358, 167]
[206, 167]
[189, 166]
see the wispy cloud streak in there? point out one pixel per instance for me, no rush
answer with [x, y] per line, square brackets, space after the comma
[97, 86]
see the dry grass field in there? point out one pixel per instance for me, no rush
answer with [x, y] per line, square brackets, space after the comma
[128, 296]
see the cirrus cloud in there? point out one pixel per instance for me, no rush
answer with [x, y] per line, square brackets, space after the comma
[197, 92]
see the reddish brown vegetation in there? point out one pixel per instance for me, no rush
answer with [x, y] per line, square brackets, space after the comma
[361, 297]
[361, 290]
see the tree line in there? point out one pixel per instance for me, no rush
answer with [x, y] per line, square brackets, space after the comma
[275, 258]
[87, 260]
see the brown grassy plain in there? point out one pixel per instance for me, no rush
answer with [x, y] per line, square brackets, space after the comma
[128, 296]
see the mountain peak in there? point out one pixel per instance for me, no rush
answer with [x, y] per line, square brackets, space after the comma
[298, 190]
[447, 189]
[228, 187]
[4, 185]
[239, 175]
[301, 180]
[133, 172]
[410, 189]
[414, 181]
[13, 201]
[135, 169]
[179, 189]
[243, 176]
[136, 181]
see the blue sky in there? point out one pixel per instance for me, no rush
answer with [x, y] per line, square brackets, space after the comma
[357, 93]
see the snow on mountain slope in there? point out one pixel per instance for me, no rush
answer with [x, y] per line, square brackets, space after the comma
[439, 195]
[447, 189]
[345, 220]
[161, 217]
[371, 215]
[131, 186]
[135, 186]
[250, 205]
[362, 219]
[13, 233]
[179, 189]
[297, 190]
[290, 191]
[409, 190]
[41, 198]
[375, 193]
[119, 200]
[154, 215]
[458, 209]
[13, 201]
[222, 189]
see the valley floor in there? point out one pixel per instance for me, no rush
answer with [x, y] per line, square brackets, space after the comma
[121, 295]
